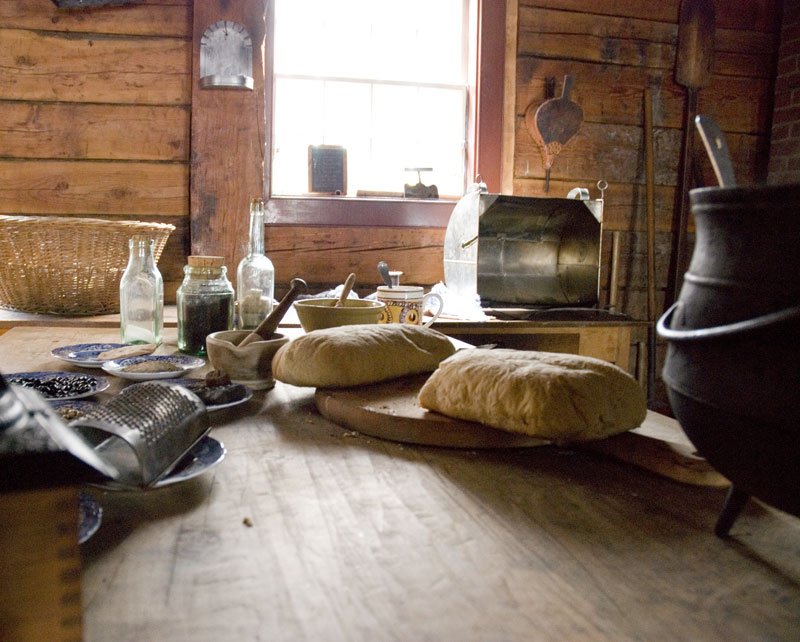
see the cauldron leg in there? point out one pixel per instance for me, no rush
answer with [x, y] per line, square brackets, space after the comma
[734, 503]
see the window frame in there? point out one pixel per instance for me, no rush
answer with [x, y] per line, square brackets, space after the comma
[484, 140]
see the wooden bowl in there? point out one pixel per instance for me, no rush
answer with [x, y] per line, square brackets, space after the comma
[316, 314]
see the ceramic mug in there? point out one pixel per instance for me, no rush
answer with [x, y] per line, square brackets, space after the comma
[406, 303]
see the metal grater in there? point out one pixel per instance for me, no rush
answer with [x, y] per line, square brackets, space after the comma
[145, 430]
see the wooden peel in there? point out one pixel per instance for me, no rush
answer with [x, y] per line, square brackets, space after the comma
[552, 124]
[348, 285]
[267, 327]
[391, 410]
[694, 59]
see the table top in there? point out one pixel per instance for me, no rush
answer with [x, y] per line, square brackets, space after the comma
[307, 531]
[15, 318]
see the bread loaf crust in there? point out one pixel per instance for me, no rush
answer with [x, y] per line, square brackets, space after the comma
[360, 354]
[558, 397]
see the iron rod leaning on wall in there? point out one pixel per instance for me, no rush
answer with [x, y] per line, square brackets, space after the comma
[651, 242]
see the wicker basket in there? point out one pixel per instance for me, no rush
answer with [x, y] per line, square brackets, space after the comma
[67, 266]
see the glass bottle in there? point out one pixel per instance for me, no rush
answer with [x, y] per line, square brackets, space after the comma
[255, 276]
[204, 301]
[141, 294]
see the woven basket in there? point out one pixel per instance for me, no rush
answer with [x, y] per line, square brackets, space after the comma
[67, 266]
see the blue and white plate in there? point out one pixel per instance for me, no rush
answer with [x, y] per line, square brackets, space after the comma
[203, 456]
[59, 385]
[71, 409]
[84, 354]
[192, 384]
[184, 364]
[90, 516]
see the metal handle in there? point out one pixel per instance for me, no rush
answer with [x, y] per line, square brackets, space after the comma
[717, 149]
[723, 331]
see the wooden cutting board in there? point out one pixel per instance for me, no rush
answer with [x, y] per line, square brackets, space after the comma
[390, 410]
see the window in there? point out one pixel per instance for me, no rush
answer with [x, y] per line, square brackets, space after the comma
[408, 103]
[385, 80]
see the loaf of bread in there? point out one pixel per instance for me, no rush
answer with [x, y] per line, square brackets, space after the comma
[558, 397]
[359, 354]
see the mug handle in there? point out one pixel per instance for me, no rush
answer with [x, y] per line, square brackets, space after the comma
[431, 295]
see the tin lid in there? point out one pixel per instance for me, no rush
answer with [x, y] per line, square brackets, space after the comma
[196, 260]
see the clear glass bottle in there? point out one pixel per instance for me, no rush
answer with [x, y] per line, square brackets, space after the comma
[204, 302]
[141, 294]
[255, 276]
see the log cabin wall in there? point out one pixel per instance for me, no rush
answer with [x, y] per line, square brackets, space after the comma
[95, 108]
[96, 111]
[98, 106]
[614, 50]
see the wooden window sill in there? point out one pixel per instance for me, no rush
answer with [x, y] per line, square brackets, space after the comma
[350, 211]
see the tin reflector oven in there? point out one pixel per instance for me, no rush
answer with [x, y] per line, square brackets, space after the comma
[525, 251]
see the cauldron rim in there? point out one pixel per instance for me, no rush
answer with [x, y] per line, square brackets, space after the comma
[744, 195]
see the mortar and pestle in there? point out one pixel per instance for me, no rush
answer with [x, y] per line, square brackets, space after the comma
[246, 355]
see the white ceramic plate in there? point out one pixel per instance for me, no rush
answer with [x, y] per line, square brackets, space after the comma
[59, 385]
[184, 363]
[84, 354]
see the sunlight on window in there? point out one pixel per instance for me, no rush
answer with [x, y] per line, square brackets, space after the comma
[385, 80]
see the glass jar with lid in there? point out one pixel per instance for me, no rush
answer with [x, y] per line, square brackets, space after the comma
[204, 302]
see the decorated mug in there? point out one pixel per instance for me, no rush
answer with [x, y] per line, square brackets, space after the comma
[406, 303]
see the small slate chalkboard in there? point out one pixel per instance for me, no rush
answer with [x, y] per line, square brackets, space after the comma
[327, 169]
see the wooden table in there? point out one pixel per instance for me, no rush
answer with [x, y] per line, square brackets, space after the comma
[310, 532]
[611, 340]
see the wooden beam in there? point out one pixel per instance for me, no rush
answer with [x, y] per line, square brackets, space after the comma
[490, 94]
[228, 141]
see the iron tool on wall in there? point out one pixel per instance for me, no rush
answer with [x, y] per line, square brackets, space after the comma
[552, 124]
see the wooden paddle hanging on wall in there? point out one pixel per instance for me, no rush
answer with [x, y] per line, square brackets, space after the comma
[693, 63]
[552, 124]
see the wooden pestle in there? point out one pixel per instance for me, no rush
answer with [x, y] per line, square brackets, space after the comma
[268, 326]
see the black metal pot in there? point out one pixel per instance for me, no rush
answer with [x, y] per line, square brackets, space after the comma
[732, 370]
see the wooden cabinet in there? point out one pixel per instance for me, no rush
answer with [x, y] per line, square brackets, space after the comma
[614, 341]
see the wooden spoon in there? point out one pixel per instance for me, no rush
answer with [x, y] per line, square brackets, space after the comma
[267, 327]
[348, 285]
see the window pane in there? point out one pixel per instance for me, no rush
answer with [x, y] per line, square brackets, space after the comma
[386, 80]
[413, 40]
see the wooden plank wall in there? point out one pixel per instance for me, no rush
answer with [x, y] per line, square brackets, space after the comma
[614, 50]
[95, 106]
[95, 113]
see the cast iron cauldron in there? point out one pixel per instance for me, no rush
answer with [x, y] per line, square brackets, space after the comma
[732, 370]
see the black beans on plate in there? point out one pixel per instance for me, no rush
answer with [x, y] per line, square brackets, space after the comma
[58, 386]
